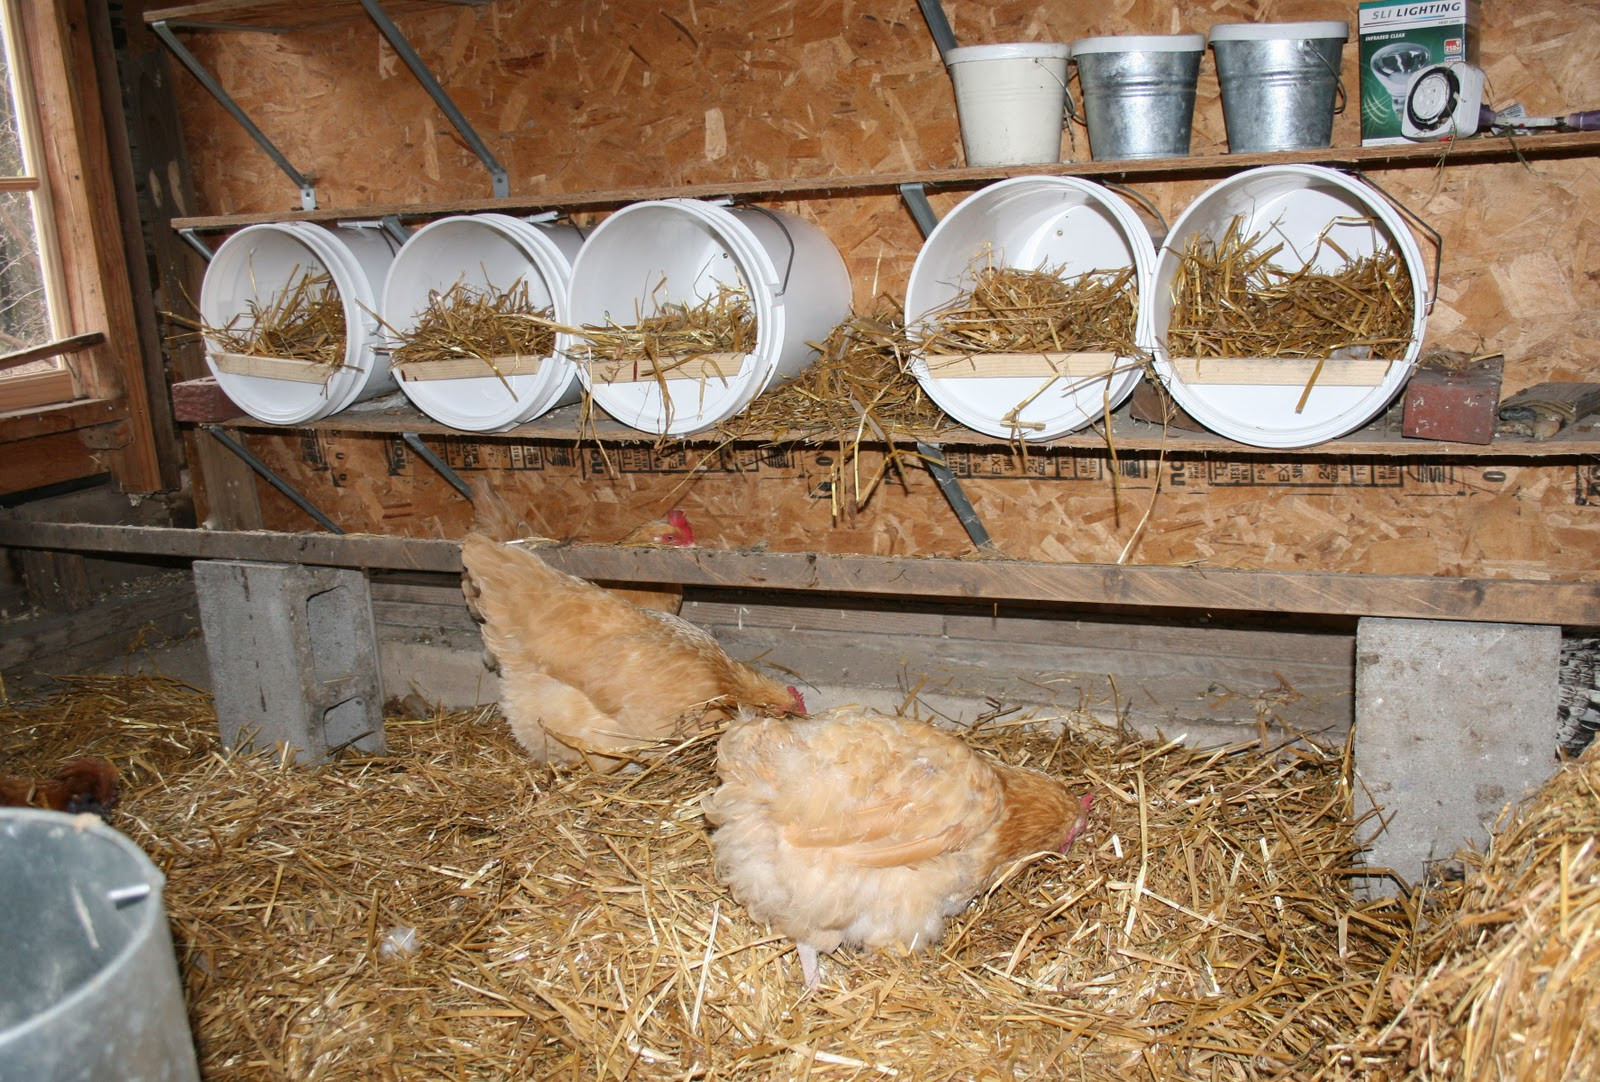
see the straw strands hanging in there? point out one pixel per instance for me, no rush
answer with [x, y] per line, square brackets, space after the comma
[451, 908]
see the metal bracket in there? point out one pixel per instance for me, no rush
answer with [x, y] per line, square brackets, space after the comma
[271, 478]
[425, 453]
[950, 486]
[938, 26]
[497, 173]
[916, 200]
[192, 239]
[308, 191]
[398, 231]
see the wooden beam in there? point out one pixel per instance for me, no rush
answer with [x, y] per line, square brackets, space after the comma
[1429, 155]
[1205, 589]
[61, 417]
[49, 460]
[18, 358]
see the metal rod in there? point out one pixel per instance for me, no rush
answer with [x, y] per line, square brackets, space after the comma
[396, 228]
[915, 195]
[938, 26]
[192, 239]
[308, 191]
[271, 478]
[414, 442]
[386, 26]
[948, 484]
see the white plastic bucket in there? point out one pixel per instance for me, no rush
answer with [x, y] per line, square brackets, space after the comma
[1011, 100]
[1138, 93]
[1030, 223]
[1295, 205]
[481, 251]
[1279, 83]
[257, 263]
[684, 251]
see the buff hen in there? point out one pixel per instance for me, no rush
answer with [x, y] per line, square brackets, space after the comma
[585, 672]
[856, 828]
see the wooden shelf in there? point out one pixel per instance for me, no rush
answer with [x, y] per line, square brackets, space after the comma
[1487, 149]
[284, 14]
[394, 414]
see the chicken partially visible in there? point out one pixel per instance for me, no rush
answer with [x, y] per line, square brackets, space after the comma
[82, 785]
[584, 671]
[856, 828]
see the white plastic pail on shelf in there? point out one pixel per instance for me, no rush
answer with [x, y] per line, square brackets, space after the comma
[257, 264]
[1011, 100]
[1296, 206]
[486, 250]
[1030, 223]
[684, 251]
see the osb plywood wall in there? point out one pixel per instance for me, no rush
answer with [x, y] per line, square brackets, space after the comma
[578, 96]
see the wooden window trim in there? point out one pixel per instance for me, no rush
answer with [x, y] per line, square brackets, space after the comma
[83, 208]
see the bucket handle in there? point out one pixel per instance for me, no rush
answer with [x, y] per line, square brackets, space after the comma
[788, 267]
[1417, 220]
[1338, 80]
[1143, 200]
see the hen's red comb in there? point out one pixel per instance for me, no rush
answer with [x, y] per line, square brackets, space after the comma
[680, 522]
[799, 699]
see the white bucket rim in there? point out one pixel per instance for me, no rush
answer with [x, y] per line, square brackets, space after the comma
[761, 277]
[1074, 414]
[305, 402]
[1140, 43]
[1368, 402]
[1280, 31]
[536, 393]
[967, 54]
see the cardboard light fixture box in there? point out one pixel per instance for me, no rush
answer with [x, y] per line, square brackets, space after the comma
[1398, 39]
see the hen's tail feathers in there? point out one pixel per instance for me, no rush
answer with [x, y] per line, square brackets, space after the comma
[493, 517]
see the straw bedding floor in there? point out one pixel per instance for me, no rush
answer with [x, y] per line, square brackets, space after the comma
[452, 910]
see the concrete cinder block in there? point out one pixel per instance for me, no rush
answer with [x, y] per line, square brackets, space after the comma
[1454, 721]
[294, 656]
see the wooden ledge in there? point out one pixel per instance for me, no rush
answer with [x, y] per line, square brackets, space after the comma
[1514, 601]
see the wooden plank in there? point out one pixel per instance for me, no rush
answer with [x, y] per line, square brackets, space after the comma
[468, 368]
[60, 347]
[202, 401]
[700, 366]
[1419, 155]
[73, 642]
[1279, 371]
[62, 417]
[1084, 365]
[288, 13]
[1208, 589]
[397, 414]
[48, 460]
[287, 368]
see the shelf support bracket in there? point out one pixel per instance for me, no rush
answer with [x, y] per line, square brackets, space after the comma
[497, 173]
[943, 476]
[191, 237]
[308, 191]
[915, 195]
[938, 26]
[425, 453]
[266, 474]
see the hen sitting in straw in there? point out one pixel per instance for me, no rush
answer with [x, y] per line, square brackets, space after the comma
[584, 671]
[856, 828]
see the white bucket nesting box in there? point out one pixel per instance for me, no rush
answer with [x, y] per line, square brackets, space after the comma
[651, 255]
[256, 265]
[484, 252]
[1029, 223]
[1320, 217]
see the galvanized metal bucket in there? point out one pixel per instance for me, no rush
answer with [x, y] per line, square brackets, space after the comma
[91, 985]
[1138, 93]
[1280, 83]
